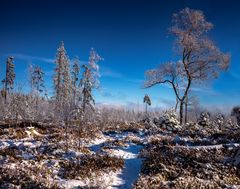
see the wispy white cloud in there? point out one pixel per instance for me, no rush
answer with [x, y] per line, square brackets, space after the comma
[110, 105]
[219, 108]
[235, 75]
[139, 81]
[202, 89]
[167, 102]
[104, 71]
[109, 72]
[49, 73]
[32, 58]
[105, 93]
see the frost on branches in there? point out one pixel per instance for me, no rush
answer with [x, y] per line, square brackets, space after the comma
[8, 82]
[90, 80]
[62, 79]
[200, 59]
[75, 80]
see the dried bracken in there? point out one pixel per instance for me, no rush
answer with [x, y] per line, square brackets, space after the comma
[184, 167]
[89, 165]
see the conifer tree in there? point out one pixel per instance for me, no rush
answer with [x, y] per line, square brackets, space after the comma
[87, 89]
[37, 81]
[90, 80]
[8, 82]
[147, 100]
[75, 79]
[62, 80]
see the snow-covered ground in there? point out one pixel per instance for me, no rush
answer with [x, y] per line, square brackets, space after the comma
[132, 163]
[45, 154]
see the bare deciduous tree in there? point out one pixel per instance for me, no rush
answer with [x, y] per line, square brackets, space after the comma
[170, 73]
[200, 59]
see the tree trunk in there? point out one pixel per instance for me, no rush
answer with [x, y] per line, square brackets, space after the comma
[181, 112]
[6, 85]
[5, 95]
[66, 135]
[186, 109]
[36, 104]
[184, 99]
[176, 105]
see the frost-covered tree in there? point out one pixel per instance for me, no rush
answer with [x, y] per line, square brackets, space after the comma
[90, 80]
[147, 101]
[62, 78]
[236, 113]
[62, 85]
[200, 59]
[94, 58]
[8, 82]
[194, 106]
[75, 79]
[37, 81]
[87, 86]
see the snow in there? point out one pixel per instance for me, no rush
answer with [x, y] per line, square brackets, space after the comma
[208, 147]
[68, 184]
[119, 179]
[27, 156]
[132, 166]
[5, 144]
[125, 145]
[98, 140]
[130, 172]
[109, 180]
[29, 143]
[121, 153]
[32, 131]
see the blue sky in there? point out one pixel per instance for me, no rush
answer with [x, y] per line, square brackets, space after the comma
[131, 36]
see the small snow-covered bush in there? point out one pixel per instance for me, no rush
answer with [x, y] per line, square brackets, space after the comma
[219, 119]
[169, 120]
[236, 113]
[204, 119]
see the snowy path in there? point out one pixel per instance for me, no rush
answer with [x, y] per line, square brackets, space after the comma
[132, 164]
[132, 168]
